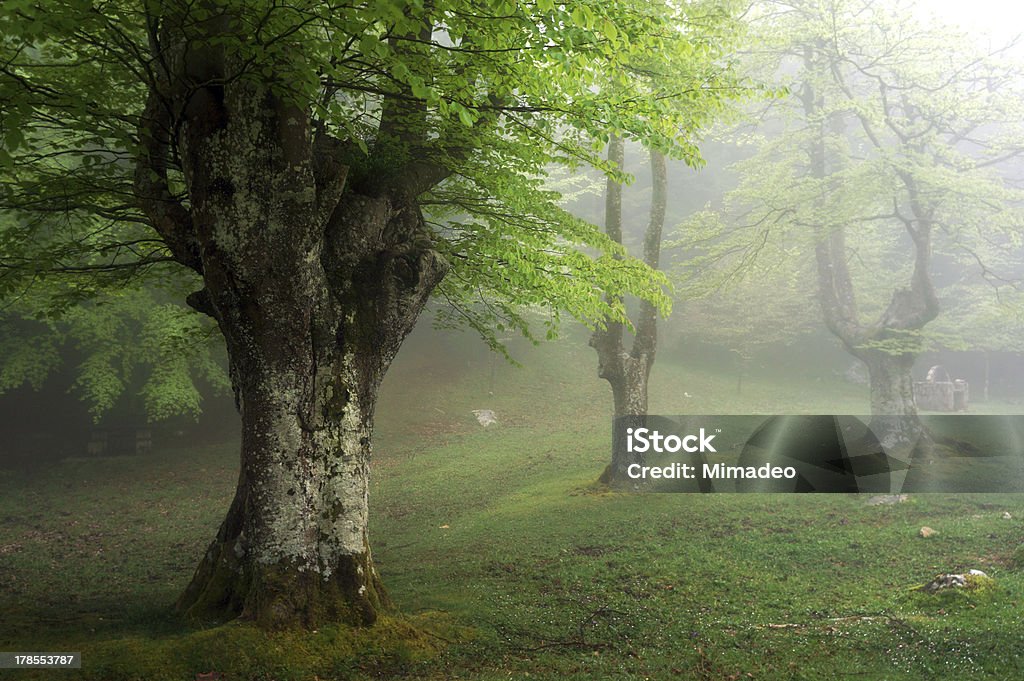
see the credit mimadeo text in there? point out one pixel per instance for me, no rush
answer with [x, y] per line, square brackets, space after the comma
[686, 471]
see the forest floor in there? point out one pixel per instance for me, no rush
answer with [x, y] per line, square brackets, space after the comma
[506, 561]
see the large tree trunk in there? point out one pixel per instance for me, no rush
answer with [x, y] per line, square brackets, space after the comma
[293, 549]
[308, 346]
[307, 357]
[891, 383]
[315, 275]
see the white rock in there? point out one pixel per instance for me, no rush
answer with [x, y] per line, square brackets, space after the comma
[887, 499]
[945, 582]
[485, 417]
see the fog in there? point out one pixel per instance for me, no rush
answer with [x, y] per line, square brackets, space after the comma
[993, 22]
[719, 323]
[565, 308]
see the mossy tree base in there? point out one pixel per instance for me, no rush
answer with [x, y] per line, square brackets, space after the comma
[283, 596]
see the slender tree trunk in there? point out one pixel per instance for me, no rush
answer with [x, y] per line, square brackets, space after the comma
[628, 373]
[629, 399]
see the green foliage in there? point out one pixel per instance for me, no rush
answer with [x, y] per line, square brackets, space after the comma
[500, 93]
[540, 267]
[917, 126]
[30, 354]
[124, 340]
[749, 295]
[93, 284]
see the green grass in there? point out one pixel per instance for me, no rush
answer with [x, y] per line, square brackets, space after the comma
[507, 561]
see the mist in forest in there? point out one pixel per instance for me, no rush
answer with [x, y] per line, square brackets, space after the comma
[746, 299]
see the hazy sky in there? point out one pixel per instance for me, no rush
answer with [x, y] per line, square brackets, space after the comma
[1003, 19]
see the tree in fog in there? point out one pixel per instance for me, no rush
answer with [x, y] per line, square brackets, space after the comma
[315, 171]
[889, 148]
[624, 362]
[628, 368]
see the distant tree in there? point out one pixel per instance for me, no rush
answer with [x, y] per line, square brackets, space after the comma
[628, 371]
[314, 172]
[890, 145]
[627, 365]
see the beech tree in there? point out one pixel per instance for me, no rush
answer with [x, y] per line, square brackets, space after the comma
[890, 149]
[313, 171]
[626, 364]
[628, 371]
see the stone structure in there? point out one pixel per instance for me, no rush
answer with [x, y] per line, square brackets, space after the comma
[939, 393]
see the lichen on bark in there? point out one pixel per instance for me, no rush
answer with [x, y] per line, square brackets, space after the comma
[314, 279]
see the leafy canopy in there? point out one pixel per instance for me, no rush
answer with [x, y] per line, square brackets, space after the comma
[499, 92]
[921, 139]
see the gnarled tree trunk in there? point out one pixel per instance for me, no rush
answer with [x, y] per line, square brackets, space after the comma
[315, 275]
[886, 345]
[309, 339]
[307, 361]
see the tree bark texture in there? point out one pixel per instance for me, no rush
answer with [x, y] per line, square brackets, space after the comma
[315, 277]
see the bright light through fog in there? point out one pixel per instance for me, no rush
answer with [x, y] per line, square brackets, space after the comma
[1001, 20]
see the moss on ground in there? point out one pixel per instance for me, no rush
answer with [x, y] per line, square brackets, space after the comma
[393, 647]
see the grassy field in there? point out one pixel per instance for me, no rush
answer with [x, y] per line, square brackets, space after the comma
[507, 562]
